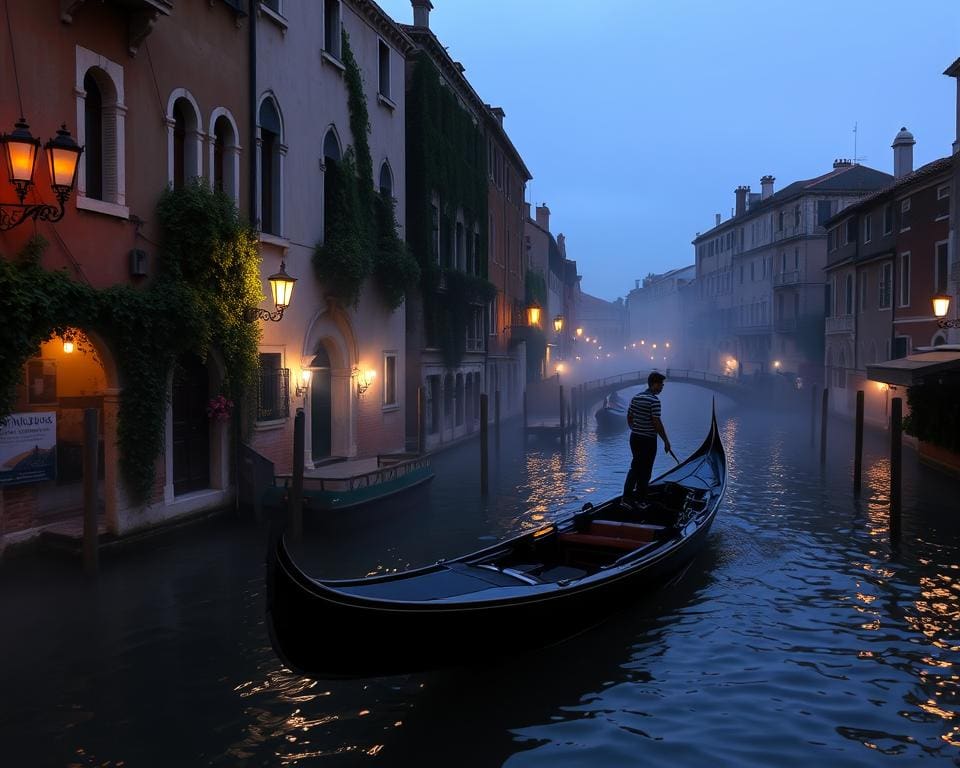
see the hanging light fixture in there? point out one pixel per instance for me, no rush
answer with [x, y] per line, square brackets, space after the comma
[281, 287]
[20, 150]
[533, 314]
[941, 305]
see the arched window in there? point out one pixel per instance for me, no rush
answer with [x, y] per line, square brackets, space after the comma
[939, 340]
[224, 154]
[331, 147]
[386, 180]
[93, 139]
[331, 163]
[271, 168]
[184, 139]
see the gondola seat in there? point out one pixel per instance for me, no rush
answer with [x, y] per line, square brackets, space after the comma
[610, 534]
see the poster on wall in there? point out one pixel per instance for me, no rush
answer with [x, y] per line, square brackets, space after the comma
[28, 448]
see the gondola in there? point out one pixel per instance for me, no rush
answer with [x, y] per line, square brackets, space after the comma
[612, 415]
[532, 590]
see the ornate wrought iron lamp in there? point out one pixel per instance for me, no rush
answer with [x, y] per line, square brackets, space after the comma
[281, 286]
[941, 305]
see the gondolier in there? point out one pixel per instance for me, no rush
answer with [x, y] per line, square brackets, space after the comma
[643, 418]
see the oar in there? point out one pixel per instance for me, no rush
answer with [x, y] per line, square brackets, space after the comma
[674, 456]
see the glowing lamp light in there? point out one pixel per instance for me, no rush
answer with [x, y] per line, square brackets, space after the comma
[68, 347]
[364, 380]
[941, 304]
[668, 345]
[63, 158]
[654, 346]
[776, 364]
[533, 315]
[558, 323]
[560, 368]
[20, 150]
[306, 375]
[579, 332]
[281, 286]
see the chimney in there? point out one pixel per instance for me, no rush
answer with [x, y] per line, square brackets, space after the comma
[717, 220]
[562, 245]
[543, 217]
[499, 114]
[766, 186]
[636, 283]
[421, 13]
[741, 193]
[903, 153]
[842, 162]
[526, 209]
[954, 71]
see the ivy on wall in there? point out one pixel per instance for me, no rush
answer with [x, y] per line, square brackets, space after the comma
[362, 235]
[536, 288]
[208, 274]
[935, 412]
[446, 153]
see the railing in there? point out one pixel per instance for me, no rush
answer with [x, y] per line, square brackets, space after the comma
[388, 469]
[839, 324]
[789, 277]
[675, 374]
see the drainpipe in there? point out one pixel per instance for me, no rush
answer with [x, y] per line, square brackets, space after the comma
[254, 189]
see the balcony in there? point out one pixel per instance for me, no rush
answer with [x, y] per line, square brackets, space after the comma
[786, 233]
[755, 329]
[785, 325]
[839, 324]
[789, 277]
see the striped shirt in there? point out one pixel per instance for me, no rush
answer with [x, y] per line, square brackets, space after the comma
[643, 407]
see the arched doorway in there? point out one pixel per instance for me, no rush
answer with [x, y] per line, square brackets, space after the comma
[320, 406]
[191, 426]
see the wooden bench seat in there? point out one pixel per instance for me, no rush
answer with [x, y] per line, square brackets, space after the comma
[609, 534]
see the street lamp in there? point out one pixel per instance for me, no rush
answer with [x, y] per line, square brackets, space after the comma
[941, 305]
[304, 386]
[281, 287]
[558, 323]
[20, 150]
[579, 332]
[533, 314]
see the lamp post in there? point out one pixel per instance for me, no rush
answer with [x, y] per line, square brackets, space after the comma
[20, 150]
[941, 305]
[533, 314]
[281, 287]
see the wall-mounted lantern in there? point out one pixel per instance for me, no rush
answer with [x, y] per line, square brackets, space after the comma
[558, 323]
[533, 314]
[304, 385]
[281, 287]
[941, 305]
[364, 379]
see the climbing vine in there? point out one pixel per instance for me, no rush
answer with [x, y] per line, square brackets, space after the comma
[362, 235]
[935, 411]
[208, 273]
[446, 153]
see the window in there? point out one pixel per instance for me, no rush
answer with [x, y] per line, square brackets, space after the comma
[225, 154]
[384, 69]
[492, 307]
[796, 217]
[863, 292]
[273, 392]
[941, 273]
[848, 295]
[752, 270]
[850, 231]
[888, 218]
[943, 201]
[389, 379]
[886, 286]
[901, 347]
[780, 221]
[101, 176]
[331, 173]
[432, 404]
[904, 287]
[459, 251]
[386, 180]
[867, 228]
[271, 168]
[827, 300]
[435, 229]
[832, 240]
[331, 27]
[458, 400]
[796, 258]
[741, 274]
[905, 215]
[184, 138]
[824, 211]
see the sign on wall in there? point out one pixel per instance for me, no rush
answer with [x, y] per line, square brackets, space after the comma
[28, 448]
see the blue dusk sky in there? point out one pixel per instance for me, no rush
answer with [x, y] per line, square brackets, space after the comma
[639, 118]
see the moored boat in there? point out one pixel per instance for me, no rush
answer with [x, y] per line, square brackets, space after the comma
[612, 415]
[534, 589]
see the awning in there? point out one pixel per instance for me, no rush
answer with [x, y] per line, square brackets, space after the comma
[910, 370]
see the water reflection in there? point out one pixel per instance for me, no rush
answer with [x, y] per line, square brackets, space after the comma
[799, 633]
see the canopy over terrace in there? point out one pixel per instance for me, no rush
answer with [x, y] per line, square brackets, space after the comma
[912, 369]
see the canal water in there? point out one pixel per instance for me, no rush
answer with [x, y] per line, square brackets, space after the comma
[802, 634]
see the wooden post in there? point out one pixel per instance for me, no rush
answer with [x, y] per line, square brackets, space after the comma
[563, 422]
[496, 417]
[823, 426]
[295, 498]
[421, 421]
[524, 410]
[91, 536]
[813, 414]
[896, 465]
[858, 445]
[483, 442]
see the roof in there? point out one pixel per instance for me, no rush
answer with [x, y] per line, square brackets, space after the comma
[923, 173]
[910, 370]
[846, 178]
[385, 25]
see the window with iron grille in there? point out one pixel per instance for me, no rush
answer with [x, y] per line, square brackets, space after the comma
[273, 392]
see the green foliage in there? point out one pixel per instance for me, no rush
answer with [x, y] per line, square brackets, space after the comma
[536, 288]
[446, 154]
[343, 261]
[208, 274]
[361, 236]
[935, 412]
[453, 310]
[395, 269]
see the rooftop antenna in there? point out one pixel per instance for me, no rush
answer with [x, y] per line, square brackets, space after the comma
[856, 160]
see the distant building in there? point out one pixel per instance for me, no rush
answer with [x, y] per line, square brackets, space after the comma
[761, 278]
[657, 315]
[604, 322]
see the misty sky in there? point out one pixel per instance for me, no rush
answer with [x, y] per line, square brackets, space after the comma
[638, 118]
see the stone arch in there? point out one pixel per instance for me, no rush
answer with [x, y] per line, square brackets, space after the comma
[224, 152]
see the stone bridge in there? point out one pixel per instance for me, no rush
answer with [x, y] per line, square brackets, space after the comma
[596, 390]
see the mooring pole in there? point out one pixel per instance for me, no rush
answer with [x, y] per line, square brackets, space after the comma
[563, 430]
[858, 445]
[421, 421]
[896, 464]
[496, 418]
[484, 427]
[823, 426]
[91, 535]
[295, 498]
[813, 414]
[524, 411]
